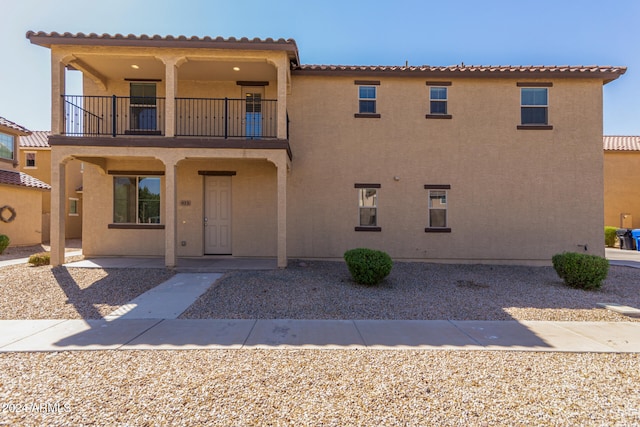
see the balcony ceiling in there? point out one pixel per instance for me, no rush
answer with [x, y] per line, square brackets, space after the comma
[118, 68]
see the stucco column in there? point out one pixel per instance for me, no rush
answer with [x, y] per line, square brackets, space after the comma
[58, 211]
[283, 73]
[57, 90]
[170, 194]
[170, 97]
[282, 213]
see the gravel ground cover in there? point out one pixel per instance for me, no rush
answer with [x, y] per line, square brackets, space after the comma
[13, 252]
[320, 387]
[324, 290]
[47, 292]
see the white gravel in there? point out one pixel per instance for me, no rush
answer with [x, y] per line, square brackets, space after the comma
[322, 387]
[325, 290]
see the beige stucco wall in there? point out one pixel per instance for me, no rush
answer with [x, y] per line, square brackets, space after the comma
[621, 187]
[26, 228]
[516, 195]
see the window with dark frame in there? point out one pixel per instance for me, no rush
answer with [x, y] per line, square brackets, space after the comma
[534, 105]
[437, 100]
[7, 146]
[30, 160]
[136, 200]
[367, 99]
[437, 208]
[368, 207]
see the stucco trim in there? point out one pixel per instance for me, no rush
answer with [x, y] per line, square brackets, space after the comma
[431, 83]
[368, 229]
[437, 187]
[367, 186]
[136, 226]
[367, 116]
[438, 116]
[437, 230]
[217, 173]
[535, 127]
[534, 84]
[132, 172]
[367, 82]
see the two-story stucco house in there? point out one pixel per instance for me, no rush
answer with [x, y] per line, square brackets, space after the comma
[622, 181]
[21, 194]
[197, 146]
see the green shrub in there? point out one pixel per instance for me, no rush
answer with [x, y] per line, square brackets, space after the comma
[581, 270]
[368, 266]
[609, 236]
[4, 242]
[42, 258]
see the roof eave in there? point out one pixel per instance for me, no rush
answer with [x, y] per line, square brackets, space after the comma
[52, 39]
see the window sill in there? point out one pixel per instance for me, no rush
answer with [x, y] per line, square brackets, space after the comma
[366, 116]
[136, 226]
[30, 167]
[438, 116]
[437, 230]
[368, 229]
[535, 127]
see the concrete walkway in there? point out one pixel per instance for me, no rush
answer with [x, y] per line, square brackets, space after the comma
[191, 334]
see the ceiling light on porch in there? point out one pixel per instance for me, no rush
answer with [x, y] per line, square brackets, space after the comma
[135, 67]
[236, 68]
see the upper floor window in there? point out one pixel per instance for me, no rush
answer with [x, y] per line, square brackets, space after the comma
[143, 106]
[7, 146]
[534, 105]
[30, 159]
[367, 99]
[438, 100]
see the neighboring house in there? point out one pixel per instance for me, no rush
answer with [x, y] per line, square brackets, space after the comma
[622, 181]
[35, 159]
[197, 146]
[20, 193]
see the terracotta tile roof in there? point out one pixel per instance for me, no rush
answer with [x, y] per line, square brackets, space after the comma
[621, 143]
[608, 73]
[22, 179]
[42, 38]
[10, 125]
[37, 139]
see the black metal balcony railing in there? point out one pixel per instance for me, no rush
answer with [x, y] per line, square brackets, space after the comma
[202, 117]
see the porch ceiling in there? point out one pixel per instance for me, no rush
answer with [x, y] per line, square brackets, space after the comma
[148, 67]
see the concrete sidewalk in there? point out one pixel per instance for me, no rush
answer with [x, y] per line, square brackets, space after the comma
[191, 334]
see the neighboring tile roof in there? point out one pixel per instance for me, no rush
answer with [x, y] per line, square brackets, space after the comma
[42, 38]
[621, 143]
[22, 179]
[9, 124]
[608, 73]
[37, 139]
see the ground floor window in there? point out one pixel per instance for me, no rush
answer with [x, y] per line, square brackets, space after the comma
[437, 208]
[73, 207]
[438, 217]
[368, 207]
[136, 200]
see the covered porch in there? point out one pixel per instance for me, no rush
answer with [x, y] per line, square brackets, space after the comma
[154, 202]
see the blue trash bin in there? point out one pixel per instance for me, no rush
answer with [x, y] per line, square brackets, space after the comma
[635, 234]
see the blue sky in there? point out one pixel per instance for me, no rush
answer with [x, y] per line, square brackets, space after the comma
[346, 32]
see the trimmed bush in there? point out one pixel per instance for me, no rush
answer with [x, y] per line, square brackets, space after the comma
[609, 236]
[4, 242]
[42, 258]
[368, 266]
[581, 270]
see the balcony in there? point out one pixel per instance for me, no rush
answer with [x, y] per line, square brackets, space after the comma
[99, 116]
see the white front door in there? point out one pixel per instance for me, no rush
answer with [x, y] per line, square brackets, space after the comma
[217, 215]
